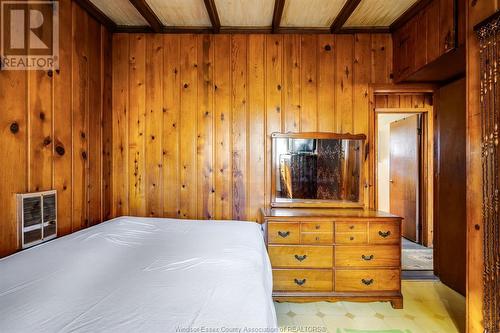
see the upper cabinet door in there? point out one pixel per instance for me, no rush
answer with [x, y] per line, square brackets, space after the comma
[433, 35]
[447, 24]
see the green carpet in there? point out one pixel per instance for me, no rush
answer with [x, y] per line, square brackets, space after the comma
[349, 330]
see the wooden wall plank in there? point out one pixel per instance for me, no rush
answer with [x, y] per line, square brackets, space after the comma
[13, 151]
[362, 78]
[62, 118]
[344, 83]
[256, 126]
[205, 121]
[381, 58]
[120, 124]
[154, 125]
[95, 110]
[40, 130]
[326, 83]
[107, 122]
[171, 119]
[291, 82]
[188, 126]
[137, 126]
[239, 104]
[274, 96]
[308, 84]
[80, 118]
[222, 103]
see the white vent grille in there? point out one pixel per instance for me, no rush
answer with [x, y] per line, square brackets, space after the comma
[36, 217]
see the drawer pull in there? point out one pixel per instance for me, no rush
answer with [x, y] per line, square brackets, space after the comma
[367, 282]
[351, 238]
[300, 258]
[351, 227]
[299, 282]
[384, 234]
[284, 234]
[318, 226]
[367, 258]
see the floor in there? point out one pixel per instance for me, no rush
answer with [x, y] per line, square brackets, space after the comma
[416, 257]
[429, 307]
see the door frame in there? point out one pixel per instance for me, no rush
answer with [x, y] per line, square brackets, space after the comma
[427, 171]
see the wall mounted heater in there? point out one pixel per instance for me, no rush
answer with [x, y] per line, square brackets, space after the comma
[36, 217]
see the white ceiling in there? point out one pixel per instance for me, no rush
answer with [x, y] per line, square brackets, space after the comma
[256, 13]
[122, 12]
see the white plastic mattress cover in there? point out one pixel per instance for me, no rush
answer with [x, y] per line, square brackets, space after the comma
[142, 275]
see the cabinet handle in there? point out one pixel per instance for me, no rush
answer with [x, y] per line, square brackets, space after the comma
[284, 234]
[384, 234]
[317, 226]
[299, 282]
[300, 258]
[351, 227]
[367, 282]
[351, 238]
[317, 238]
[367, 258]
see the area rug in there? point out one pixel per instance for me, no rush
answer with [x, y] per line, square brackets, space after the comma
[418, 260]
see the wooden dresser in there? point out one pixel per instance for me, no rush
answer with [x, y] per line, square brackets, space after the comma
[334, 254]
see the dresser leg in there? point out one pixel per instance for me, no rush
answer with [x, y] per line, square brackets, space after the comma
[397, 303]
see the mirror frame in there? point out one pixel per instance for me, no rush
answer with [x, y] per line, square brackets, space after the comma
[315, 203]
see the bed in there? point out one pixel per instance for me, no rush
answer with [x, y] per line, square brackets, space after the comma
[141, 275]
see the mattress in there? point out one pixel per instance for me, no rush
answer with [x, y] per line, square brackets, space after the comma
[141, 275]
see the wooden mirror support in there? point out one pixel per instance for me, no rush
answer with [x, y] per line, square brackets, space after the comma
[354, 198]
[489, 39]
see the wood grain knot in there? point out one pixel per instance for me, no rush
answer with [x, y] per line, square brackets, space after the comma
[60, 150]
[14, 128]
[47, 141]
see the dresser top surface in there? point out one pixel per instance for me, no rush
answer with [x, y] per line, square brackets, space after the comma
[325, 212]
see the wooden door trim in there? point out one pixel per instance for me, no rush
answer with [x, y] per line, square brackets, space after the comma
[427, 181]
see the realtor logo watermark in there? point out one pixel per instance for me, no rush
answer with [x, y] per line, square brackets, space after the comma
[29, 35]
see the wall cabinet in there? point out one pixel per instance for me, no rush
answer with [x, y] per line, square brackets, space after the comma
[431, 35]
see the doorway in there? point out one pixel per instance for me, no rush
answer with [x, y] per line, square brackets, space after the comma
[401, 142]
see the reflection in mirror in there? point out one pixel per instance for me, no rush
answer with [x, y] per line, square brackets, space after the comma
[317, 169]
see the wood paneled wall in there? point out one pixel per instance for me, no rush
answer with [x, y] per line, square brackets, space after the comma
[192, 114]
[53, 129]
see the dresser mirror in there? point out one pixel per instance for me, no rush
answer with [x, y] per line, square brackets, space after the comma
[317, 170]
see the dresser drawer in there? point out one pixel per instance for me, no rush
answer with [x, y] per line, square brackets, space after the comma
[302, 280]
[384, 233]
[316, 227]
[351, 226]
[301, 256]
[367, 256]
[283, 233]
[367, 280]
[351, 238]
[316, 238]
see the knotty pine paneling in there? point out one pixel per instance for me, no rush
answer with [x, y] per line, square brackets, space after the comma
[52, 129]
[214, 107]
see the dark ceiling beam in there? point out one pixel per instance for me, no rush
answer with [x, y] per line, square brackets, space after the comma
[148, 14]
[344, 14]
[214, 16]
[279, 5]
[409, 14]
[97, 14]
